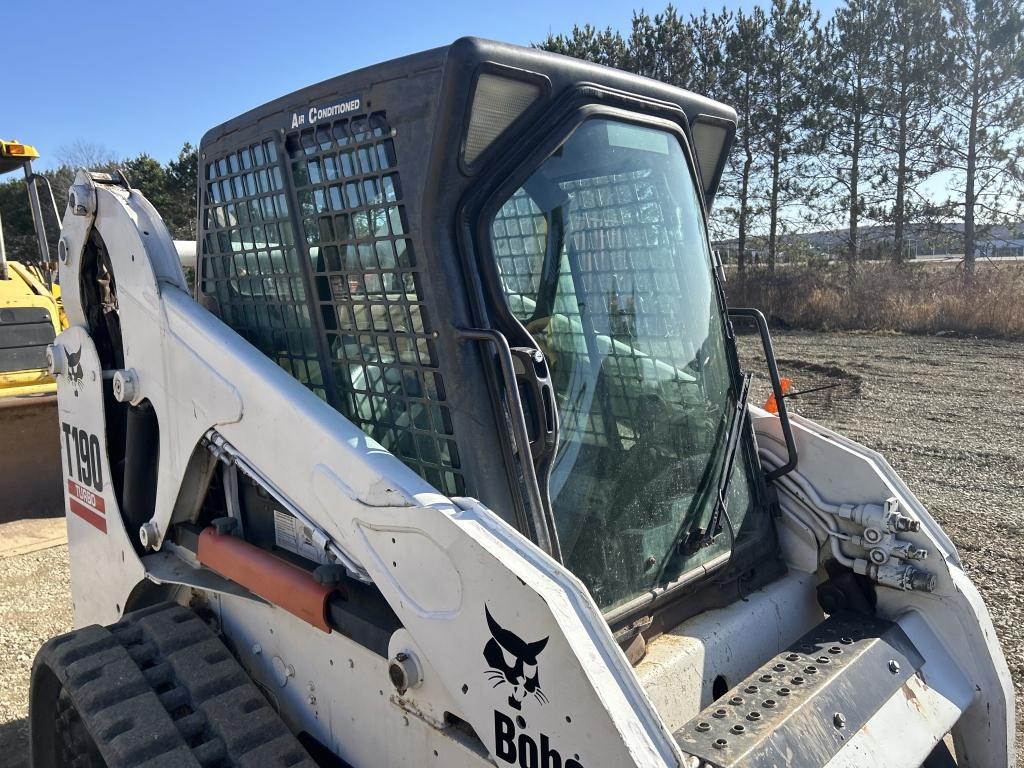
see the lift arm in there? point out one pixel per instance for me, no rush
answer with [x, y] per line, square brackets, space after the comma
[452, 571]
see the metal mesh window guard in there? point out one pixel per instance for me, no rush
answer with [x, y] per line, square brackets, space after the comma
[250, 262]
[368, 292]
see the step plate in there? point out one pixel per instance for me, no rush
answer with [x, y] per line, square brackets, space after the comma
[802, 706]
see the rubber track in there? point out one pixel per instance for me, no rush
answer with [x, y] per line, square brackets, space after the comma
[159, 689]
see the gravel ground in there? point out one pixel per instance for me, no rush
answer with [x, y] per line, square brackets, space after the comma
[35, 604]
[947, 413]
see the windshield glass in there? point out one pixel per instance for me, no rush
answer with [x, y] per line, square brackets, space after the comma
[602, 255]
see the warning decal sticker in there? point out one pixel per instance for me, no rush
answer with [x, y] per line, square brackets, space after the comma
[292, 535]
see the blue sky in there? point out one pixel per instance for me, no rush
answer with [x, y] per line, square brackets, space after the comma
[146, 76]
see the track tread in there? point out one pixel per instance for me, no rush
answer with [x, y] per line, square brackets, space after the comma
[159, 688]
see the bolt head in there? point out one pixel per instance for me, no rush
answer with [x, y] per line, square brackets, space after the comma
[282, 671]
[404, 672]
[839, 720]
[125, 386]
[894, 666]
[55, 360]
[149, 534]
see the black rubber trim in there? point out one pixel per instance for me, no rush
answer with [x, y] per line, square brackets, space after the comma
[156, 689]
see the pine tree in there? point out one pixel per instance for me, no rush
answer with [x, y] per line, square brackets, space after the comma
[843, 124]
[790, 52]
[914, 63]
[984, 110]
[590, 44]
[660, 47]
[743, 87]
[708, 37]
[181, 189]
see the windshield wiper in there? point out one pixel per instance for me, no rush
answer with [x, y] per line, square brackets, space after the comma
[692, 541]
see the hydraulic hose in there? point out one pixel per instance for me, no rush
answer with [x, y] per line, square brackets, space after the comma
[791, 488]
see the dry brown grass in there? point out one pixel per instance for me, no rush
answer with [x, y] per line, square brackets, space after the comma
[914, 298]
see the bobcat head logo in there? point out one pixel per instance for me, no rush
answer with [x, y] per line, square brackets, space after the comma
[513, 661]
[74, 369]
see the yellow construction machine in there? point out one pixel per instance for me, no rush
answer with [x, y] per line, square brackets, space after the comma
[30, 318]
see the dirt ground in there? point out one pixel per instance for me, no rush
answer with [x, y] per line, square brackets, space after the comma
[947, 413]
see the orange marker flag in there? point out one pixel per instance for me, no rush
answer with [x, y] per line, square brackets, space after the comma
[770, 404]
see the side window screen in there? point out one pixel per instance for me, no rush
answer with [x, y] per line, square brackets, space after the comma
[250, 262]
[367, 283]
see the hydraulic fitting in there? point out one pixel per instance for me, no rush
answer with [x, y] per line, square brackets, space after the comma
[884, 517]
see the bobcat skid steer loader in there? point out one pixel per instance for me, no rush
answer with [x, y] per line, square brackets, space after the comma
[451, 461]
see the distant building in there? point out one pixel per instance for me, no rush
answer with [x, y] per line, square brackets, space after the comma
[921, 241]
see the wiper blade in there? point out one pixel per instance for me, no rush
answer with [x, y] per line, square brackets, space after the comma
[696, 540]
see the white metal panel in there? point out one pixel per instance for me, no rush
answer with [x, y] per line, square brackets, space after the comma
[340, 693]
[104, 567]
[680, 667]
